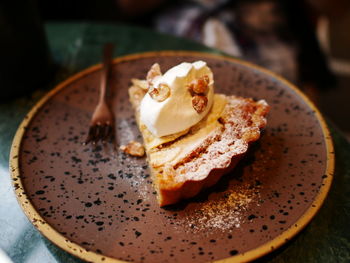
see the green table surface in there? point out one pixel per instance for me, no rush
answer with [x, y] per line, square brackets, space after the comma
[75, 46]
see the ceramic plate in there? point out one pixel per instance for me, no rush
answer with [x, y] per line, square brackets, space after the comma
[99, 204]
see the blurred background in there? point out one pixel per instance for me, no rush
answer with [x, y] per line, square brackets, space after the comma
[306, 41]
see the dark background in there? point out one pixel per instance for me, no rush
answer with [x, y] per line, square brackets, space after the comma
[327, 85]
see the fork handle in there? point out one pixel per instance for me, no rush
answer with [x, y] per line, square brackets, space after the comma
[107, 62]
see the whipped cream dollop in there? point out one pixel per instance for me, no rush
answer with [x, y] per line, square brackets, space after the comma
[182, 108]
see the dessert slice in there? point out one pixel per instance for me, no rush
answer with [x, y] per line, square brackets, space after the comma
[195, 151]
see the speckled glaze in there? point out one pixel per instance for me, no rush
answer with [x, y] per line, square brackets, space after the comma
[99, 204]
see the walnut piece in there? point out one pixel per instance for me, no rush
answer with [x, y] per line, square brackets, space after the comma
[161, 93]
[133, 148]
[153, 73]
[199, 86]
[199, 103]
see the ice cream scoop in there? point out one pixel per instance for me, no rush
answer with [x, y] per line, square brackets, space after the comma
[178, 99]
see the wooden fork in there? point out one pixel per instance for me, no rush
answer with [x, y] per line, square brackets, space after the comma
[102, 120]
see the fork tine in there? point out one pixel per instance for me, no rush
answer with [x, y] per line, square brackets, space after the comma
[91, 134]
[98, 133]
[107, 132]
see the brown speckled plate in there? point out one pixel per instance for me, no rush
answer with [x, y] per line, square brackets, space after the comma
[99, 204]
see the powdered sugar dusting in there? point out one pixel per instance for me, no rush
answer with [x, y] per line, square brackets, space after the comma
[242, 119]
[126, 135]
[224, 213]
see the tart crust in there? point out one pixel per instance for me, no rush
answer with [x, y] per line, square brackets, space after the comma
[183, 164]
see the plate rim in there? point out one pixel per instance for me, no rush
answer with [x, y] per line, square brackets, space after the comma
[82, 253]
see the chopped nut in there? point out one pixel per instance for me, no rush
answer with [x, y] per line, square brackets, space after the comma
[133, 148]
[199, 86]
[153, 73]
[140, 83]
[161, 93]
[199, 103]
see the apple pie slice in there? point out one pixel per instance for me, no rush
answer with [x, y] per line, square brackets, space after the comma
[184, 163]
